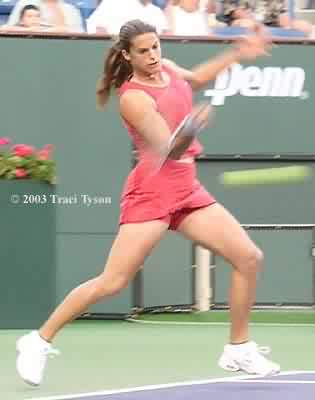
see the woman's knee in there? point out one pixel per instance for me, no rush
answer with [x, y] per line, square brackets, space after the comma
[252, 260]
[110, 286]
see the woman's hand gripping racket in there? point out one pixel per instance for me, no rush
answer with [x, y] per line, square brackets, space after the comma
[188, 129]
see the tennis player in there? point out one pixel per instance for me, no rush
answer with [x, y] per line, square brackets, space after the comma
[155, 97]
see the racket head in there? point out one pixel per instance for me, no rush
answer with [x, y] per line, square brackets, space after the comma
[197, 112]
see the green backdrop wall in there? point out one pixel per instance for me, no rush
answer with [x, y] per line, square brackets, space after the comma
[287, 276]
[48, 96]
[284, 203]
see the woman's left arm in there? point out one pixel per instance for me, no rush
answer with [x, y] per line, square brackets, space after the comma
[247, 48]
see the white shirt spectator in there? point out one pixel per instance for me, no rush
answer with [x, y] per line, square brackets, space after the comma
[110, 15]
[189, 23]
[72, 15]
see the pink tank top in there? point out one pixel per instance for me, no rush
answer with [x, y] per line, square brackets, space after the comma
[173, 102]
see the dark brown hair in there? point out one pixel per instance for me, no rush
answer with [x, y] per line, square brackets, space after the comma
[116, 68]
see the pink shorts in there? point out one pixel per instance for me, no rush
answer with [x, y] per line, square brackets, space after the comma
[141, 207]
[176, 218]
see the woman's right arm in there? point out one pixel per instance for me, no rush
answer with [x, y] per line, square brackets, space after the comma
[139, 110]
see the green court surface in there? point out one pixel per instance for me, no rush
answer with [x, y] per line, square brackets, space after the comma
[104, 355]
[301, 316]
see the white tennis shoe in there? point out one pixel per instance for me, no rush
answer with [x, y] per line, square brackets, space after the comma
[32, 357]
[248, 357]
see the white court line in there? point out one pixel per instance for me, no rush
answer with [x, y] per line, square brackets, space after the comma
[294, 372]
[143, 388]
[238, 379]
[293, 325]
[277, 382]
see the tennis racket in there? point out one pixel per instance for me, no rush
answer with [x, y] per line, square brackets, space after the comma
[191, 125]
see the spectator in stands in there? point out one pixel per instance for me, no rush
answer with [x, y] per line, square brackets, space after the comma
[110, 15]
[272, 13]
[236, 13]
[56, 14]
[187, 18]
[30, 17]
[210, 7]
[30, 20]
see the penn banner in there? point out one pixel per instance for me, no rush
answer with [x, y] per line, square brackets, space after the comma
[264, 106]
[252, 81]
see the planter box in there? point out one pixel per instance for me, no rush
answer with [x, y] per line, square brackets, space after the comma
[27, 253]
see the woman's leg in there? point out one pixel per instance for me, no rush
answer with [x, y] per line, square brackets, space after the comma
[132, 245]
[130, 248]
[216, 229]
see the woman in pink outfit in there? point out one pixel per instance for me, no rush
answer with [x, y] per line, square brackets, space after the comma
[155, 95]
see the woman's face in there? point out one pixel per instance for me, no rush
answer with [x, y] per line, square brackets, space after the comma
[145, 54]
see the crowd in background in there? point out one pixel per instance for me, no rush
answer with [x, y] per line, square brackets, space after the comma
[171, 17]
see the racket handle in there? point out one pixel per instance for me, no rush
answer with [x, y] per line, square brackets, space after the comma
[183, 143]
[195, 121]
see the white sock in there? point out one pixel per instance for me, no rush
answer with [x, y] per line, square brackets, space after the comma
[41, 340]
[241, 346]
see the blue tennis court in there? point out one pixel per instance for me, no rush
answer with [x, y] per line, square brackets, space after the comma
[296, 385]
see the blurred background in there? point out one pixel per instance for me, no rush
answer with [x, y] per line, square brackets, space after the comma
[172, 17]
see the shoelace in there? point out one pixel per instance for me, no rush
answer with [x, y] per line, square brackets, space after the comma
[51, 352]
[264, 350]
[261, 350]
[258, 353]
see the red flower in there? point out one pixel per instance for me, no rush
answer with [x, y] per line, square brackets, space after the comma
[4, 141]
[23, 150]
[45, 152]
[20, 172]
[49, 147]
